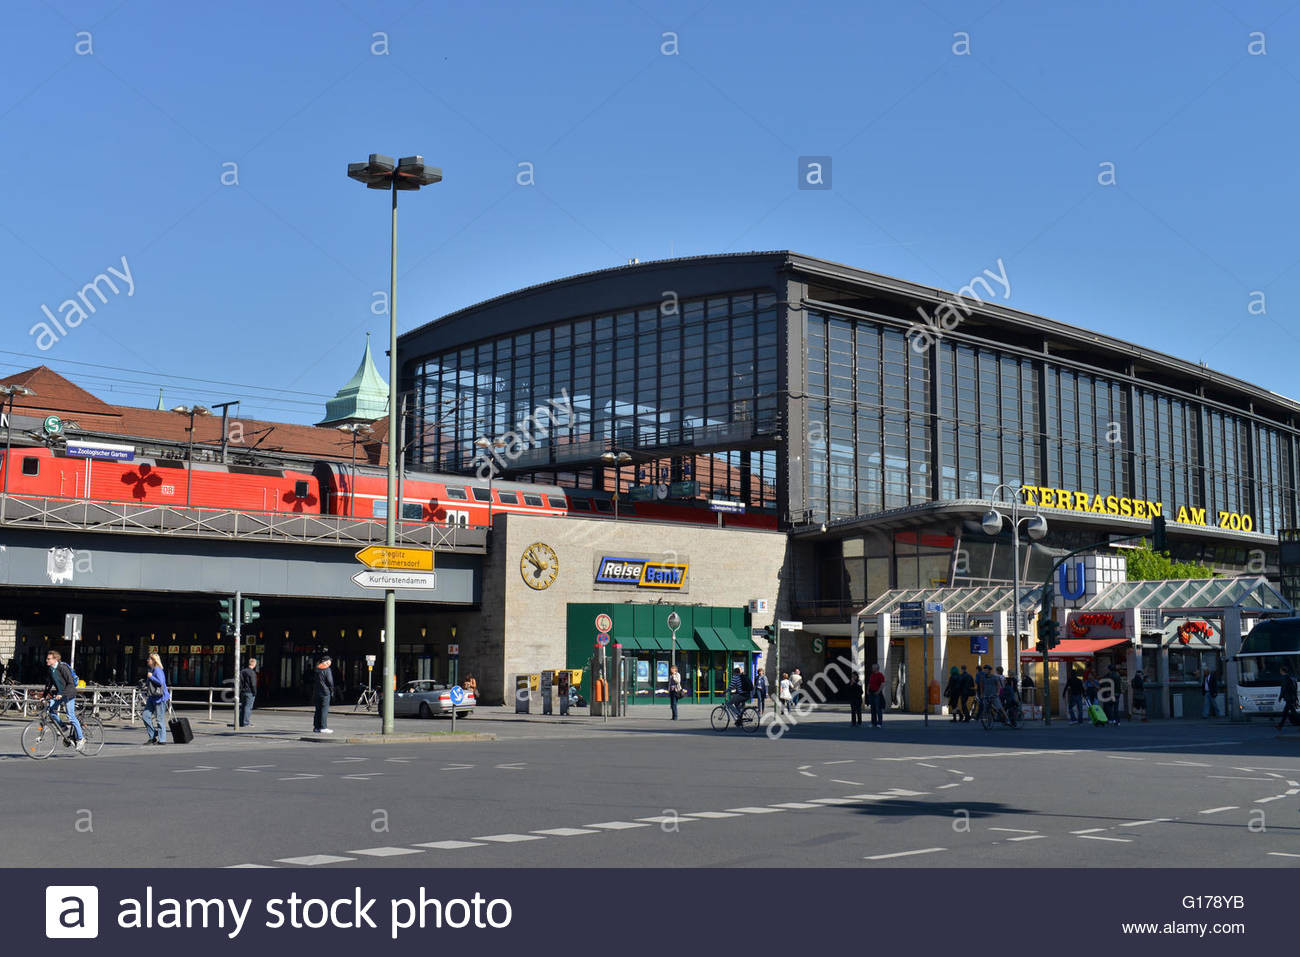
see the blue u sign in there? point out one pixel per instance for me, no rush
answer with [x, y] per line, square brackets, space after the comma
[1080, 582]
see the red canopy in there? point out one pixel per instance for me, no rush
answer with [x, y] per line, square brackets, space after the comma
[1077, 647]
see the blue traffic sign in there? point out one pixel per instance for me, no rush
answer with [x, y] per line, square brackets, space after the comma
[457, 695]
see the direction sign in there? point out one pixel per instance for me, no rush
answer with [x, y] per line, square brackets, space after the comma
[406, 559]
[457, 695]
[792, 626]
[934, 606]
[604, 622]
[911, 614]
[370, 661]
[726, 505]
[602, 639]
[387, 579]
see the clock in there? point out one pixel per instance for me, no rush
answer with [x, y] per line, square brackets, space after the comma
[539, 566]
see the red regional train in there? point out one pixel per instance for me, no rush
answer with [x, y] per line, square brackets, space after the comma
[330, 488]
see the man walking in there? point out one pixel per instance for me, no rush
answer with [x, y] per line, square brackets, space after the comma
[1209, 689]
[967, 692]
[1110, 692]
[760, 691]
[322, 692]
[247, 693]
[855, 700]
[796, 682]
[876, 695]
[1288, 695]
[1074, 697]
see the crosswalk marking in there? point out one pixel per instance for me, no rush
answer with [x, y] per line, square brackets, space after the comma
[1029, 837]
[795, 805]
[756, 810]
[714, 814]
[386, 851]
[566, 831]
[834, 801]
[508, 838]
[1154, 820]
[1216, 810]
[1098, 837]
[665, 819]
[617, 825]
[1013, 830]
[450, 845]
[314, 860]
[924, 850]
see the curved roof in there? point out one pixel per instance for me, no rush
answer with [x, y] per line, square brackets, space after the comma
[363, 398]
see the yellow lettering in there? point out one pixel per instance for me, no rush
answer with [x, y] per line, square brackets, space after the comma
[1098, 504]
[1081, 501]
[1063, 498]
[1047, 497]
[1028, 492]
[1112, 505]
[1182, 515]
[1139, 509]
[1198, 516]
[1126, 506]
[1155, 508]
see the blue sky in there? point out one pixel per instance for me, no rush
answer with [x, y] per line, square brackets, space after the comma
[942, 163]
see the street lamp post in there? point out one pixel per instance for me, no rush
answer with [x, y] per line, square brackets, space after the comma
[1037, 527]
[674, 622]
[10, 392]
[191, 411]
[354, 428]
[487, 445]
[618, 460]
[408, 173]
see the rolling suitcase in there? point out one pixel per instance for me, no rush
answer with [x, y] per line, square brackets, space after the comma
[1098, 715]
[181, 731]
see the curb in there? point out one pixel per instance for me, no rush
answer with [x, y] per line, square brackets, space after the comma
[431, 738]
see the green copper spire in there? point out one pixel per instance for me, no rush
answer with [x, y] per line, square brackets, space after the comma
[363, 398]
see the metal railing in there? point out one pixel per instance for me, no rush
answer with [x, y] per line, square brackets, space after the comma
[122, 518]
[24, 701]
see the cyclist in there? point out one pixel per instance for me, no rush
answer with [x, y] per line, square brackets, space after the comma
[988, 689]
[739, 690]
[61, 691]
[1010, 700]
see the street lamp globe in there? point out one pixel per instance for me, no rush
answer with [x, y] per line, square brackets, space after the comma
[1036, 527]
[991, 522]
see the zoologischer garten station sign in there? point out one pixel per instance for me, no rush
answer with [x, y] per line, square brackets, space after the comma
[1093, 504]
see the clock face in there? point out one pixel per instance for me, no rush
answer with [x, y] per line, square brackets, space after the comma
[539, 566]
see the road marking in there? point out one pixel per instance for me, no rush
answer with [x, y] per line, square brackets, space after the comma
[508, 838]
[808, 774]
[665, 819]
[314, 860]
[1177, 747]
[903, 792]
[924, 850]
[1090, 830]
[875, 797]
[1294, 784]
[1123, 757]
[362, 777]
[1281, 854]
[794, 805]
[1287, 770]
[1235, 777]
[856, 784]
[517, 766]
[968, 778]
[755, 810]
[450, 845]
[1275, 797]
[1217, 810]
[386, 851]
[988, 754]
[1291, 791]
[399, 760]
[922, 764]
[237, 866]
[834, 801]
[299, 777]
[847, 761]
[1154, 820]
[1183, 764]
[566, 831]
[955, 784]
[617, 825]
[456, 767]
[348, 760]
[803, 767]
[1029, 837]
[254, 768]
[954, 771]
[1098, 837]
[192, 770]
[1014, 830]
[714, 814]
[1272, 775]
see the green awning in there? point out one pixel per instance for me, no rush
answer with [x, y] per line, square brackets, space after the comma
[736, 641]
[654, 643]
[631, 644]
[710, 639]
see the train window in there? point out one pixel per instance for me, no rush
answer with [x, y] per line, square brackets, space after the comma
[412, 511]
[508, 498]
[534, 500]
[456, 493]
[299, 489]
[557, 501]
[602, 505]
[31, 465]
[481, 494]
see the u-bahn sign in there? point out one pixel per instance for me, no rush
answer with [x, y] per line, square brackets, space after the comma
[397, 559]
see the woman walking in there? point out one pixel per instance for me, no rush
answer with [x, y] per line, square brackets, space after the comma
[155, 704]
[675, 691]
[785, 693]
[760, 691]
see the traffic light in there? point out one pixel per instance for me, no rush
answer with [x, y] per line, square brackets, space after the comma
[769, 632]
[1049, 633]
[1159, 539]
[251, 614]
[227, 614]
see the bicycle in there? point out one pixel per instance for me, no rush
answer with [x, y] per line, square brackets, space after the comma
[42, 736]
[998, 711]
[368, 700]
[13, 699]
[746, 718]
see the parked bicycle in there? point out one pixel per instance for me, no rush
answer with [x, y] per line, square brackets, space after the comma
[368, 700]
[13, 698]
[996, 711]
[113, 701]
[746, 717]
[42, 737]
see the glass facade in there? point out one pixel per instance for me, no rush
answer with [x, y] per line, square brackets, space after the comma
[1003, 417]
[676, 382]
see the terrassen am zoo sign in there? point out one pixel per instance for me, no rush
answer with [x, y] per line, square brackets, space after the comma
[1093, 504]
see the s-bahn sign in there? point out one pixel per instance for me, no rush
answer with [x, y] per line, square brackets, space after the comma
[1093, 504]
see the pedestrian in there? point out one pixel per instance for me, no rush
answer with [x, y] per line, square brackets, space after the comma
[155, 702]
[247, 693]
[855, 700]
[470, 684]
[760, 691]
[796, 683]
[876, 695]
[967, 692]
[1027, 688]
[1074, 697]
[785, 693]
[1112, 687]
[1288, 695]
[1139, 707]
[674, 688]
[1209, 688]
[322, 692]
[952, 691]
[1091, 688]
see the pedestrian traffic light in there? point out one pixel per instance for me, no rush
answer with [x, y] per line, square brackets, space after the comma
[769, 632]
[251, 614]
[227, 614]
[1159, 540]
[1049, 632]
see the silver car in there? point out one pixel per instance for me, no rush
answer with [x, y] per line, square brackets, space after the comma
[427, 698]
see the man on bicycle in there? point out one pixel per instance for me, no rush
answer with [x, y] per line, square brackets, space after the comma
[61, 691]
[739, 690]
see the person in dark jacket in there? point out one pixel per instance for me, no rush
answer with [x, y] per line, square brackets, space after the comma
[967, 692]
[1074, 697]
[1209, 689]
[247, 693]
[1288, 695]
[61, 692]
[760, 691]
[854, 692]
[952, 691]
[322, 693]
[1139, 688]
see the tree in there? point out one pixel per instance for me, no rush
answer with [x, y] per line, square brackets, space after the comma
[1146, 565]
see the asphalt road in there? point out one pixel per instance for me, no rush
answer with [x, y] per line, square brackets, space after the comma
[648, 792]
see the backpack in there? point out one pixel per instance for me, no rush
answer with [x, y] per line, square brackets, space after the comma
[76, 682]
[746, 685]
